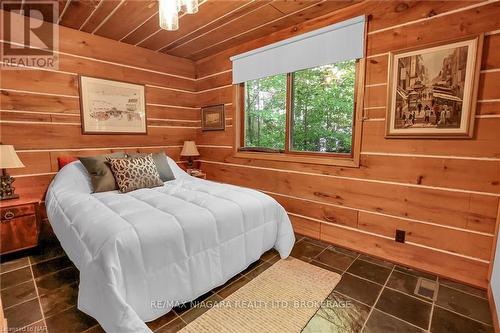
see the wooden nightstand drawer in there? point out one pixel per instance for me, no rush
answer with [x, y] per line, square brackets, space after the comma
[18, 233]
[8, 213]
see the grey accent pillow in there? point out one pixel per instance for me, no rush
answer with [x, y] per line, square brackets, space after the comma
[101, 177]
[135, 173]
[161, 163]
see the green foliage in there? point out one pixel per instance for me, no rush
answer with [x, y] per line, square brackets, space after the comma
[265, 112]
[322, 109]
[323, 105]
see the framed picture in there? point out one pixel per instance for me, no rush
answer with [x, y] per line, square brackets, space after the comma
[212, 118]
[112, 107]
[432, 91]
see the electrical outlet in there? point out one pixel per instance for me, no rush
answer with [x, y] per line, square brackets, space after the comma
[400, 236]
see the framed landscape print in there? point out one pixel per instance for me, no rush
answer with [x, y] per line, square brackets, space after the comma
[432, 91]
[112, 107]
[212, 118]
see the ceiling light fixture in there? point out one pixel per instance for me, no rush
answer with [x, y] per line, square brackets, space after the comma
[169, 12]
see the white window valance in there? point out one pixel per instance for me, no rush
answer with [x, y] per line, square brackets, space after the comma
[338, 42]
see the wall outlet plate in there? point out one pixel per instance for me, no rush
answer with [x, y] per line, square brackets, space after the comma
[400, 236]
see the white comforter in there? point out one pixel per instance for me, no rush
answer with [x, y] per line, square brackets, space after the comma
[139, 252]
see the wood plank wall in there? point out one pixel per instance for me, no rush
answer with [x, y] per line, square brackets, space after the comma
[444, 193]
[40, 113]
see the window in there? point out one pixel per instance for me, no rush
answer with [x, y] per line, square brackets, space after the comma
[309, 111]
[265, 112]
[300, 99]
[323, 108]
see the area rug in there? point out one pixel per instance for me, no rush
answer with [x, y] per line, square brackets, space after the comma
[281, 299]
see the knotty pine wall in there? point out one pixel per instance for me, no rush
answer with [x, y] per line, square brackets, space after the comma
[444, 193]
[40, 112]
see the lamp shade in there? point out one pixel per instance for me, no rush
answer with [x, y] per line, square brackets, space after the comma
[189, 149]
[9, 158]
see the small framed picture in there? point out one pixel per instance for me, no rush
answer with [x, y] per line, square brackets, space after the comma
[112, 107]
[212, 118]
[432, 91]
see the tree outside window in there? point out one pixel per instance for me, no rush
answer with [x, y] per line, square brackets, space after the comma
[320, 110]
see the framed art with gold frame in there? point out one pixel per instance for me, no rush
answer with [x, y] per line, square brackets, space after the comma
[212, 118]
[432, 91]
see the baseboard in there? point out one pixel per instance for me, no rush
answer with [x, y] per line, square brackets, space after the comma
[493, 310]
[459, 269]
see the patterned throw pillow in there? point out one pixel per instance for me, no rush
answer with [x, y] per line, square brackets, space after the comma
[135, 173]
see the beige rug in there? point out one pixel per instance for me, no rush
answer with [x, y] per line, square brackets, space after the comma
[281, 299]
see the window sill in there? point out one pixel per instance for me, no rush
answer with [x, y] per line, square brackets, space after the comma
[297, 158]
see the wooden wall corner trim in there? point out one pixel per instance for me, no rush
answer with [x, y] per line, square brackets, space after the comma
[493, 305]
[493, 248]
[493, 309]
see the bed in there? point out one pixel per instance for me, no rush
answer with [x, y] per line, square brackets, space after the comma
[143, 252]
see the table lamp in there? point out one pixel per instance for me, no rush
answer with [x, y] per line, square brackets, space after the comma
[8, 160]
[189, 150]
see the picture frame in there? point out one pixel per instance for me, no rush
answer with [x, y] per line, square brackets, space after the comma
[112, 107]
[432, 90]
[213, 118]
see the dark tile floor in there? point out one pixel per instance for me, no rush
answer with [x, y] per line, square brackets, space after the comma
[39, 293]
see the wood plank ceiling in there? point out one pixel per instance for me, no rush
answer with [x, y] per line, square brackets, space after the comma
[219, 24]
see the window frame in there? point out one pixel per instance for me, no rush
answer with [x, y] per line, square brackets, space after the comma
[327, 158]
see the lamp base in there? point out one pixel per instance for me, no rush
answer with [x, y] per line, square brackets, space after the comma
[6, 188]
[14, 196]
[190, 162]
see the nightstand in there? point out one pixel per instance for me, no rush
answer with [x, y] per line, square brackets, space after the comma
[197, 173]
[20, 224]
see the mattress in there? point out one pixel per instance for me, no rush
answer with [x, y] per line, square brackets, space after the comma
[143, 252]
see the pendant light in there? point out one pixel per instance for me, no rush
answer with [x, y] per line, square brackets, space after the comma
[191, 6]
[169, 12]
